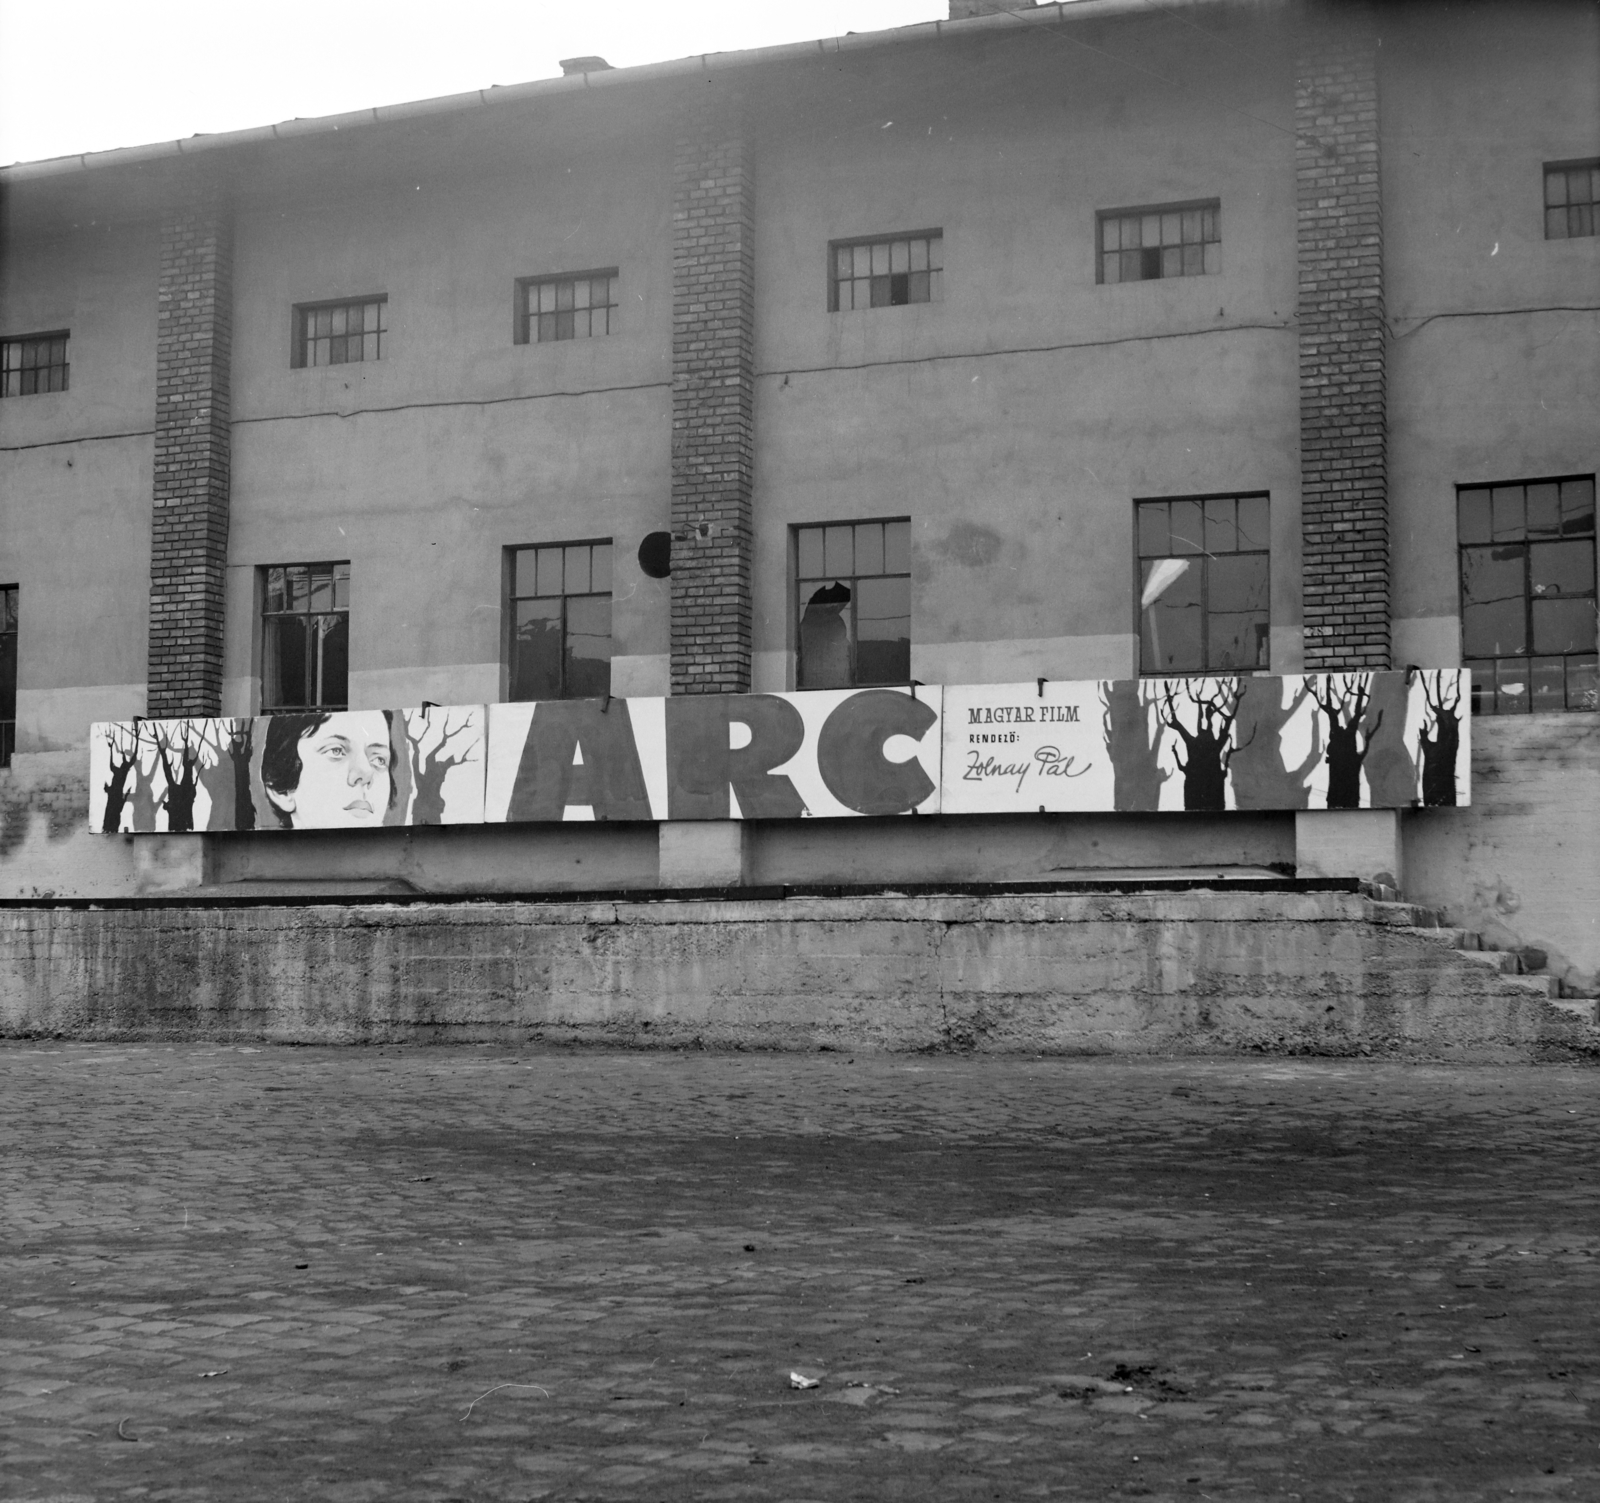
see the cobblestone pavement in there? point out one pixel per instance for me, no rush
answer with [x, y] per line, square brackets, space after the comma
[490, 1274]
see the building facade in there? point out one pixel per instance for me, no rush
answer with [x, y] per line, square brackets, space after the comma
[1073, 342]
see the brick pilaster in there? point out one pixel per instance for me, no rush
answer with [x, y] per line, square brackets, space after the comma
[713, 323]
[1343, 431]
[189, 532]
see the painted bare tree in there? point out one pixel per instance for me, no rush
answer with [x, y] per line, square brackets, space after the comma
[142, 797]
[178, 747]
[1390, 767]
[1209, 744]
[1440, 740]
[1262, 778]
[428, 769]
[225, 774]
[122, 742]
[1133, 744]
[241, 746]
[1343, 698]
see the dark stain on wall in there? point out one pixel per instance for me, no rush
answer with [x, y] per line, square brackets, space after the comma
[970, 545]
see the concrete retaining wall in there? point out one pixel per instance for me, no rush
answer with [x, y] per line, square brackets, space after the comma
[1192, 972]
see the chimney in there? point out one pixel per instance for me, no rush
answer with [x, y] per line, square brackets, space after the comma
[572, 65]
[963, 10]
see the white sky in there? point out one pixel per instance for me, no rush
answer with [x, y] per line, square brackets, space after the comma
[88, 75]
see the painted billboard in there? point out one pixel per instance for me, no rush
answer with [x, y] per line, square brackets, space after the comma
[1321, 741]
[323, 770]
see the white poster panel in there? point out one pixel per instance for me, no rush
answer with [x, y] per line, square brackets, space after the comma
[1029, 746]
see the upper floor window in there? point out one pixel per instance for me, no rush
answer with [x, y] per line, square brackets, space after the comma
[1203, 584]
[33, 363]
[1571, 199]
[854, 592]
[1528, 594]
[560, 610]
[305, 637]
[886, 271]
[8, 672]
[341, 332]
[572, 305]
[1172, 240]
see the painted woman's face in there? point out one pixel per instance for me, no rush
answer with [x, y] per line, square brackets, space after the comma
[344, 773]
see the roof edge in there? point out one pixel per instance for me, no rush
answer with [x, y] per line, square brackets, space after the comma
[697, 65]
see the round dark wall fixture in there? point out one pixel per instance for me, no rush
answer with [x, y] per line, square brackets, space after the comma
[655, 554]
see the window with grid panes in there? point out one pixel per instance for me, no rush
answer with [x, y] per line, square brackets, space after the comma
[340, 333]
[1143, 245]
[886, 272]
[305, 637]
[33, 363]
[8, 673]
[1203, 584]
[854, 598]
[1528, 594]
[574, 305]
[560, 613]
[1571, 199]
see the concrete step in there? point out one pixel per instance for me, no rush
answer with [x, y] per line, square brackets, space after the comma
[1580, 1009]
[1446, 938]
[1403, 915]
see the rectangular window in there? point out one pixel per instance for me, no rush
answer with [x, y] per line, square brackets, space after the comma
[1172, 240]
[1528, 594]
[1571, 197]
[33, 363]
[305, 637]
[560, 614]
[339, 333]
[8, 673]
[854, 597]
[886, 271]
[573, 305]
[1203, 584]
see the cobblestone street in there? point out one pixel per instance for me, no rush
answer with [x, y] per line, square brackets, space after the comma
[497, 1274]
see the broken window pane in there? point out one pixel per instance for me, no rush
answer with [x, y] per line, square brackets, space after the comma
[886, 273]
[854, 624]
[825, 639]
[1172, 623]
[1176, 242]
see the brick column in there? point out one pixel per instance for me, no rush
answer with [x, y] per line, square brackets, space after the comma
[1343, 441]
[713, 321]
[189, 532]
